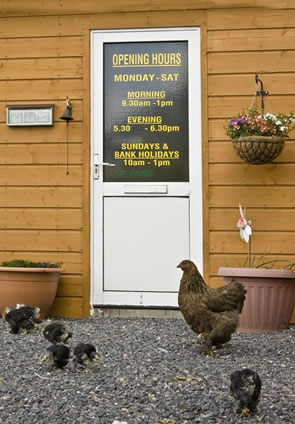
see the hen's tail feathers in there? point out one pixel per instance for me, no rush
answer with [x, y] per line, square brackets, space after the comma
[241, 287]
[243, 292]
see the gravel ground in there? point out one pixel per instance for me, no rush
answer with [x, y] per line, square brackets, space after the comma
[152, 373]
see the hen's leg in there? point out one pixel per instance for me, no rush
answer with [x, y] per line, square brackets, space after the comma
[245, 412]
[221, 333]
[206, 344]
[198, 338]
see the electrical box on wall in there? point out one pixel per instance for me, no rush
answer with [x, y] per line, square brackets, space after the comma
[29, 115]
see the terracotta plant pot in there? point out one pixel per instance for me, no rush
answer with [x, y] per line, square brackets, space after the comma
[30, 286]
[270, 297]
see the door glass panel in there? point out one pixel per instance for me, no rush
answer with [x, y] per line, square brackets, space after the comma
[146, 111]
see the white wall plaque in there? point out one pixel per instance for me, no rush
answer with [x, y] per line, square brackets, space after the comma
[25, 115]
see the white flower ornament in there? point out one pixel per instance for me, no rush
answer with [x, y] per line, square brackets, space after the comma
[244, 226]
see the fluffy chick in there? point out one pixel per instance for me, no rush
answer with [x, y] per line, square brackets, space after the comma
[246, 387]
[22, 318]
[57, 355]
[30, 312]
[57, 333]
[85, 354]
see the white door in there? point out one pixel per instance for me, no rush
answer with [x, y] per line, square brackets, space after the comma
[146, 180]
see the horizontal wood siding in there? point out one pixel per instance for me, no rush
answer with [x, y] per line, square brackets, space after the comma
[16, 69]
[17, 7]
[44, 58]
[241, 44]
[61, 219]
[51, 47]
[44, 197]
[251, 40]
[41, 210]
[66, 306]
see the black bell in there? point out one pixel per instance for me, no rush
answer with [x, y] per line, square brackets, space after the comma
[67, 114]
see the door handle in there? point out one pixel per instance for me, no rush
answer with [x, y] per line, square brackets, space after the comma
[97, 164]
[105, 164]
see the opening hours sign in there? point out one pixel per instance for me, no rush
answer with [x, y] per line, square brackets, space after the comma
[146, 111]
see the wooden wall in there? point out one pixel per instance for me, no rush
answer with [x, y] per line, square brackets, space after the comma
[240, 45]
[41, 214]
[44, 57]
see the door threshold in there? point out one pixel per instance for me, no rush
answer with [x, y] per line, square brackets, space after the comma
[111, 311]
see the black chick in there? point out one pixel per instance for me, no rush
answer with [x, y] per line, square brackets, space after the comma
[246, 387]
[57, 355]
[57, 333]
[23, 318]
[85, 354]
[30, 312]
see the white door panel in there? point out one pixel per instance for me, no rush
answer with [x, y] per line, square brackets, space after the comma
[144, 239]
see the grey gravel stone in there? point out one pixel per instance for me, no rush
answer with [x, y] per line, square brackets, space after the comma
[152, 372]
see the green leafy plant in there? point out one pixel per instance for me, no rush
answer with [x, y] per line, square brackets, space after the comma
[26, 263]
[254, 122]
[263, 262]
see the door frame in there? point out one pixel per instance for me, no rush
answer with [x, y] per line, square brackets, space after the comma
[195, 161]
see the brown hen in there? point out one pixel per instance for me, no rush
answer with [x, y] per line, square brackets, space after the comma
[213, 314]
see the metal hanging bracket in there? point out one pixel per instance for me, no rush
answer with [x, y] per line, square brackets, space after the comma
[261, 92]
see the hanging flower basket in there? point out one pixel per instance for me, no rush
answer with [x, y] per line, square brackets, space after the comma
[258, 137]
[258, 150]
